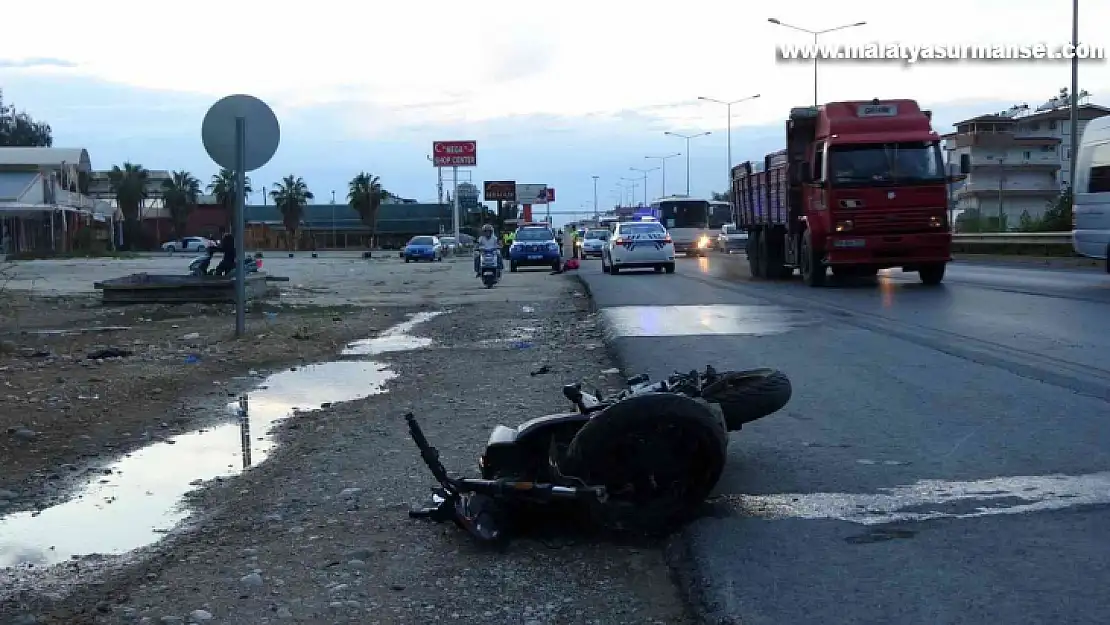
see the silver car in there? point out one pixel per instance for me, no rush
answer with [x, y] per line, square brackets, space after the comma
[450, 245]
[732, 239]
[187, 244]
[594, 242]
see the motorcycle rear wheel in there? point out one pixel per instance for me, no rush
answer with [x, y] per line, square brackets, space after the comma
[745, 396]
[659, 455]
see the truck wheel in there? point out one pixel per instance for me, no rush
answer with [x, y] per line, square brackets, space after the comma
[745, 396]
[932, 274]
[659, 454]
[755, 264]
[813, 272]
[773, 261]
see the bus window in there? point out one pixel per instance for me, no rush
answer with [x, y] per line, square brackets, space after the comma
[1099, 174]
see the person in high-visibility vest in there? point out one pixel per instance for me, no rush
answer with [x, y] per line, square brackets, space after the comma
[506, 243]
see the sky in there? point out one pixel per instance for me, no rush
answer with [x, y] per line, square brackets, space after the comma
[552, 93]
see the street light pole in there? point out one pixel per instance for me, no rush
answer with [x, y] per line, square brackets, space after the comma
[1074, 160]
[728, 107]
[595, 197]
[815, 33]
[645, 172]
[663, 171]
[687, 138]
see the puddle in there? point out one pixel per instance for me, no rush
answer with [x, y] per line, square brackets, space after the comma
[934, 499]
[633, 321]
[138, 498]
[395, 339]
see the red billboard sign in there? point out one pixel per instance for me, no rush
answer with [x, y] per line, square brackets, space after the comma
[550, 195]
[455, 153]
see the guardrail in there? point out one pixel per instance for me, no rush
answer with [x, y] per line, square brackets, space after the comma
[1014, 243]
[1018, 238]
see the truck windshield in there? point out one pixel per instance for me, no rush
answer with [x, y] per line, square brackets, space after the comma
[884, 163]
[684, 213]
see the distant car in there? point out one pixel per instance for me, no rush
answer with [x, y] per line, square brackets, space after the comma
[594, 242]
[423, 248]
[731, 239]
[534, 246]
[187, 244]
[450, 245]
[638, 245]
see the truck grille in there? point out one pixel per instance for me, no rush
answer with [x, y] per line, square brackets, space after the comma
[902, 221]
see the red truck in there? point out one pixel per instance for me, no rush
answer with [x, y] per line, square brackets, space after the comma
[861, 186]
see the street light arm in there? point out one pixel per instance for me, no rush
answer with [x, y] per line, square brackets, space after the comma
[829, 30]
[791, 26]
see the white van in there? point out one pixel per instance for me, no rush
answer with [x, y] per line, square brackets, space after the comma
[1091, 210]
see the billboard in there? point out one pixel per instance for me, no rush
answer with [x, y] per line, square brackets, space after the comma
[499, 191]
[551, 194]
[455, 153]
[531, 193]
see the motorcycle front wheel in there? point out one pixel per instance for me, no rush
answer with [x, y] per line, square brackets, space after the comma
[659, 455]
[745, 396]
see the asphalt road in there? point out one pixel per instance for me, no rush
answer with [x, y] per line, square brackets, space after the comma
[945, 458]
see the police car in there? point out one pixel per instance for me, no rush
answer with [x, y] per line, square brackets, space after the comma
[534, 245]
[638, 245]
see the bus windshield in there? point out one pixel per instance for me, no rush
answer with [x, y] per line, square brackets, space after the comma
[720, 213]
[885, 163]
[684, 213]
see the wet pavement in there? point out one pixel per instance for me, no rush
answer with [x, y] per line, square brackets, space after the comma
[135, 500]
[943, 459]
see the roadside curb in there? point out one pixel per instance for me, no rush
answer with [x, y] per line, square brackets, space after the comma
[608, 334]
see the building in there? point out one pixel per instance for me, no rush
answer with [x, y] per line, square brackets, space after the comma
[1018, 161]
[45, 205]
[468, 198]
[339, 226]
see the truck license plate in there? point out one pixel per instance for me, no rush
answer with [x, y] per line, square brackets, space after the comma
[849, 243]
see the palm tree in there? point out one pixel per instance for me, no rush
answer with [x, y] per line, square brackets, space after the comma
[291, 195]
[365, 194]
[180, 195]
[223, 187]
[128, 184]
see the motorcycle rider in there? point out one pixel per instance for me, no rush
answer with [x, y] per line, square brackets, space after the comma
[227, 246]
[488, 241]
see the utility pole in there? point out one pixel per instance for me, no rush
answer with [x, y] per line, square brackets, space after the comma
[645, 173]
[663, 171]
[815, 33]
[687, 138]
[333, 234]
[728, 170]
[1074, 104]
[595, 197]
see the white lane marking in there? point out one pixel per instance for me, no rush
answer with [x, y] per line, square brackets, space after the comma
[1000, 495]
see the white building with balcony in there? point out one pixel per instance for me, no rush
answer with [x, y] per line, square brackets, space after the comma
[1018, 161]
[44, 200]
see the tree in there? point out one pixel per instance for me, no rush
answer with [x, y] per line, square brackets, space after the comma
[365, 194]
[128, 184]
[180, 194]
[291, 195]
[222, 186]
[1057, 217]
[720, 197]
[20, 130]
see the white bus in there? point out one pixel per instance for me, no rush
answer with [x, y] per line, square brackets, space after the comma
[1091, 201]
[687, 221]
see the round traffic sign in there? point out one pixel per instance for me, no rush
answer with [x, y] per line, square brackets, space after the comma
[263, 133]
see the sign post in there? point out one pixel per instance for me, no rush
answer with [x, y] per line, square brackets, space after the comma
[240, 133]
[455, 154]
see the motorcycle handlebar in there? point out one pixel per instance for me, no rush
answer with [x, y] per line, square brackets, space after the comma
[428, 453]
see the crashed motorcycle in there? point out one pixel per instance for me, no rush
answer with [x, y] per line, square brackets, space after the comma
[642, 460]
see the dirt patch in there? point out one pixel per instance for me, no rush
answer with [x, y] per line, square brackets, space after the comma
[319, 533]
[81, 382]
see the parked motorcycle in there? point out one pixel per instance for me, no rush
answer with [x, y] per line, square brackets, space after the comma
[199, 266]
[642, 461]
[489, 268]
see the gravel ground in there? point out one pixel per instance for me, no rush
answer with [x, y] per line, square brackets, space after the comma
[319, 532]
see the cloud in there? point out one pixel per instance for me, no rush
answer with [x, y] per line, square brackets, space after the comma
[34, 63]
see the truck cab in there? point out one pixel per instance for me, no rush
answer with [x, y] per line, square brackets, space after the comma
[860, 187]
